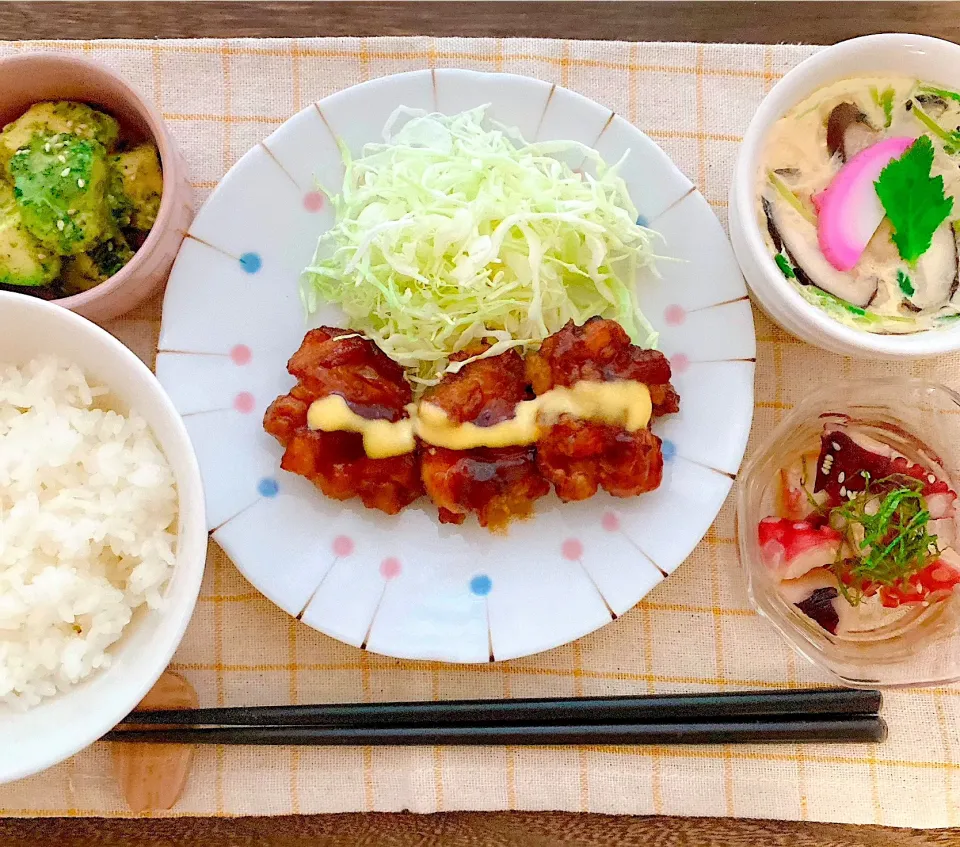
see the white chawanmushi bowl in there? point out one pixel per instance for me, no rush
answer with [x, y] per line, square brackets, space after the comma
[925, 58]
[60, 726]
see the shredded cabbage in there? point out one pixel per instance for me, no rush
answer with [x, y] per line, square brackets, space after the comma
[450, 233]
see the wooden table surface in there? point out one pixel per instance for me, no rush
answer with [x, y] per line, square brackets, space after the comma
[763, 22]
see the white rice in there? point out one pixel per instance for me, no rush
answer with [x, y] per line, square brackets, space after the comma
[87, 512]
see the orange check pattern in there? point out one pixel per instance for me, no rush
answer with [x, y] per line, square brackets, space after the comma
[695, 632]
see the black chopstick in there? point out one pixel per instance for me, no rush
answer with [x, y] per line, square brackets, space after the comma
[580, 711]
[849, 729]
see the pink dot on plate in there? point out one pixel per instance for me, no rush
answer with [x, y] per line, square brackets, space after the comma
[610, 522]
[674, 314]
[342, 545]
[244, 402]
[572, 549]
[313, 201]
[679, 362]
[390, 567]
[241, 354]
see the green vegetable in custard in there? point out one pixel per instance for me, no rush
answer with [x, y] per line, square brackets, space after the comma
[913, 199]
[59, 188]
[23, 260]
[884, 101]
[88, 270]
[892, 515]
[135, 187]
[842, 309]
[939, 92]
[905, 283]
[50, 119]
[950, 138]
[784, 191]
[784, 264]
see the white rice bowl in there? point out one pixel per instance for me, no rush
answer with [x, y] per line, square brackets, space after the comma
[88, 510]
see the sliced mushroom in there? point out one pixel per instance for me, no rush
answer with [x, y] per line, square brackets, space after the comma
[955, 288]
[933, 104]
[799, 237]
[787, 173]
[849, 131]
[771, 228]
[935, 273]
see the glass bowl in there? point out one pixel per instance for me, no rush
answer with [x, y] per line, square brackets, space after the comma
[920, 645]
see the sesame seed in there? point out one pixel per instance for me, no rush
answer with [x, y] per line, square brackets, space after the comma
[65, 172]
[69, 124]
[61, 158]
[834, 445]
[841, 476]
[80, 183]
[931, 478]
[41, 256]
[851, 495]
[843, 491]
[109, 246]
[60, 225]
[46, 147]
[71, 211]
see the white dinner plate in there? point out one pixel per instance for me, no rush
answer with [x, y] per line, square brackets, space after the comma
[408, 586]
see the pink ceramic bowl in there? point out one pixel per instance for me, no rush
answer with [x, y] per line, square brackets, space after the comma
[36, 77]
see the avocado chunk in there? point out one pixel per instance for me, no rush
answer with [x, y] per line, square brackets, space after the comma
[23, 260]
[50, 119]
[135, 187]
[60, 189]
[88, 270]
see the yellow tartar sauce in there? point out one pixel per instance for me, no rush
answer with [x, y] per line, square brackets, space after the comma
[625, 403]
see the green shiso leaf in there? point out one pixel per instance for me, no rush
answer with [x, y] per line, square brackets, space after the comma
[914, 200]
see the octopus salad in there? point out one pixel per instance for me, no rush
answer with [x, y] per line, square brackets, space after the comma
[861, 537]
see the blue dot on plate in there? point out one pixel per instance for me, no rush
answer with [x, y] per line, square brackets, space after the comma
[669, 450]
[642, 221]
[251, 262]
[481, 585]
[268, 487]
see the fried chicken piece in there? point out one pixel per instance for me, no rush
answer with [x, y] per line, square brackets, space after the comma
[375, 388]
[600, 351]
[497, 484]
[578, 456]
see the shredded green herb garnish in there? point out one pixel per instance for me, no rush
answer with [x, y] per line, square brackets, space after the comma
[887, 525]
[784, 264]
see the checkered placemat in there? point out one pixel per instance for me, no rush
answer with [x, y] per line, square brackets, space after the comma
[695, 632]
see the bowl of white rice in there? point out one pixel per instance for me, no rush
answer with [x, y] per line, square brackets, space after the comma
[102, 533]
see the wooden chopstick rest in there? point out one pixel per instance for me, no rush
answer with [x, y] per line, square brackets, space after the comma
[152, 776]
